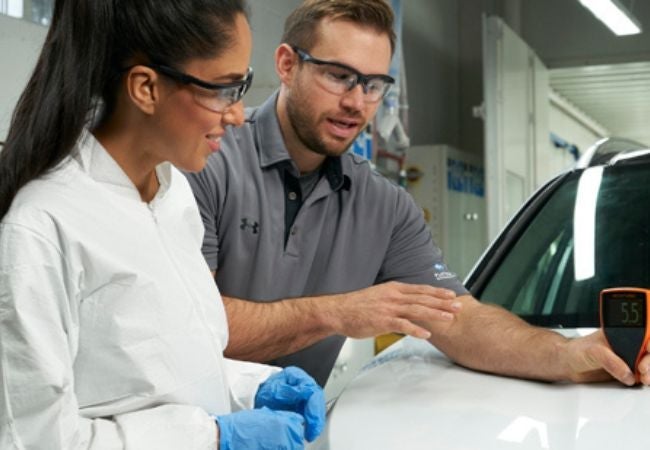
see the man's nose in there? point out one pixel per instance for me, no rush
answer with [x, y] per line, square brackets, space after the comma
[354, 98]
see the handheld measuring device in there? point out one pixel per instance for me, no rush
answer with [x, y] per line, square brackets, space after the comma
[624, 318]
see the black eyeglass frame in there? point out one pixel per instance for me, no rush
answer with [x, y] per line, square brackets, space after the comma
[243, 84]
[362, 79]
[189, 79]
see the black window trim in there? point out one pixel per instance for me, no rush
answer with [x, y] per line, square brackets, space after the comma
[496, 252]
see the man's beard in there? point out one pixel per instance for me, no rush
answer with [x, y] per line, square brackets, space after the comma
[306, 130]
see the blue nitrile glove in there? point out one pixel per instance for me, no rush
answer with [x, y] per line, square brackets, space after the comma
[294, 390]
[261, 429]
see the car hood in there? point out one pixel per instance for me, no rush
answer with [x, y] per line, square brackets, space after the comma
[413, 397]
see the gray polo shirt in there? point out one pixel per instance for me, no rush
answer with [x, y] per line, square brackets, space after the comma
[353, 230]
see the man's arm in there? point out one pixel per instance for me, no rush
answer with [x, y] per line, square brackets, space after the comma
[264, 331]
[489, 338]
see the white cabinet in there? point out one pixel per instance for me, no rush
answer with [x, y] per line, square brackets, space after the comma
[516, 121]
[449, 186]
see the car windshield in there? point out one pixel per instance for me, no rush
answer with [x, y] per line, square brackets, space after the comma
[591, 233]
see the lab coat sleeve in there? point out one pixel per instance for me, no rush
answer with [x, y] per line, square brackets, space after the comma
[38, 341]
[245, 378]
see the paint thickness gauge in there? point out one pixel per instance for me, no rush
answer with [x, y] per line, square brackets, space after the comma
[624, 320]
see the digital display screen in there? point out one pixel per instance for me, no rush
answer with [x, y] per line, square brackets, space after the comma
[624, 309]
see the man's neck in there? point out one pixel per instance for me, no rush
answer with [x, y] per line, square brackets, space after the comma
[305, 159]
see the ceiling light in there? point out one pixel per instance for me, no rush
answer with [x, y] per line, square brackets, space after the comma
[614, 15]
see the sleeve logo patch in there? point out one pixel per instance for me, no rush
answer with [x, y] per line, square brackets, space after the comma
[442, 272]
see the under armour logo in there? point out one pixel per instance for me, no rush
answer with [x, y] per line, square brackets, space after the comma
[245, 223]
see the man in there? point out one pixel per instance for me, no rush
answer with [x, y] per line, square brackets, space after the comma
[308, 245]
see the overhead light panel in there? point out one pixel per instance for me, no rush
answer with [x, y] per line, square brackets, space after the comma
[614, 15]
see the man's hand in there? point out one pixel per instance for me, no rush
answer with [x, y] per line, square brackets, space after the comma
[591, 359]
[391, 307]
[644, 367]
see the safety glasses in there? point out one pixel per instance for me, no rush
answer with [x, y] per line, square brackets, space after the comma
[338, 78]
[217, 97]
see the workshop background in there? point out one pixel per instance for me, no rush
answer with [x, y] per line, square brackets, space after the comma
[493, 98]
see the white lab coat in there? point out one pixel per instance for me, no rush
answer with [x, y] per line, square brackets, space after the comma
[111, 328]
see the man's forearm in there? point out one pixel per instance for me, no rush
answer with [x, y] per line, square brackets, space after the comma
[490, 339]
[262, 331]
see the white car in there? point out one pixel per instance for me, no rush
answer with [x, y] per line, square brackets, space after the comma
[586, 230]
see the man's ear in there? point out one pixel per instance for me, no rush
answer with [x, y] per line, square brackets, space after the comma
[142, 85]
[286, 63]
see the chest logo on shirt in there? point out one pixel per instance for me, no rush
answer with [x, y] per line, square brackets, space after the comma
[249, 224]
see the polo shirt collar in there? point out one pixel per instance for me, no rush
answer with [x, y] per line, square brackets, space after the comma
[266, 126]
[333, 171]
[268, 135]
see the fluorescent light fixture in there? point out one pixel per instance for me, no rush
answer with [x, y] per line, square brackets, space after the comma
[614, 15]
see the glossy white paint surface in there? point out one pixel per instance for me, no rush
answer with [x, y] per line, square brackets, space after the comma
[412, 397]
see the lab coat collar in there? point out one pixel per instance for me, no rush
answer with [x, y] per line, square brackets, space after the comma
[95, 160]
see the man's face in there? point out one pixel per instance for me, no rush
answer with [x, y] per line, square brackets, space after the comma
[325, 122]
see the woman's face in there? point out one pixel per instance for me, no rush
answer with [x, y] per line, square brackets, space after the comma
[189, 130]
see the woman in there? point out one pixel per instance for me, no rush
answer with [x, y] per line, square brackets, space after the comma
[111, 328]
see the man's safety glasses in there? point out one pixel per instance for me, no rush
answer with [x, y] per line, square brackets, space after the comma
[216, 97]
[338, 78]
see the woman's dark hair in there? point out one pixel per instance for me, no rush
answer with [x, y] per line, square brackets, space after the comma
[88, 45]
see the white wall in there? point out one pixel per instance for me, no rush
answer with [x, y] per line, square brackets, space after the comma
[431, 38]
[267, 23]
[20, 44]
[569, 129]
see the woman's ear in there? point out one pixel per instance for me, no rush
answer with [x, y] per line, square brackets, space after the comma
[286, 63]
[142, 85]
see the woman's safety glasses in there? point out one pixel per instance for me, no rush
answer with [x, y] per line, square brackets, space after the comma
[216, 97]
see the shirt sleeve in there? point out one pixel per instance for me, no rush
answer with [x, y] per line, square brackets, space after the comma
[412, 256]
[39, 336]
[206, 191]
